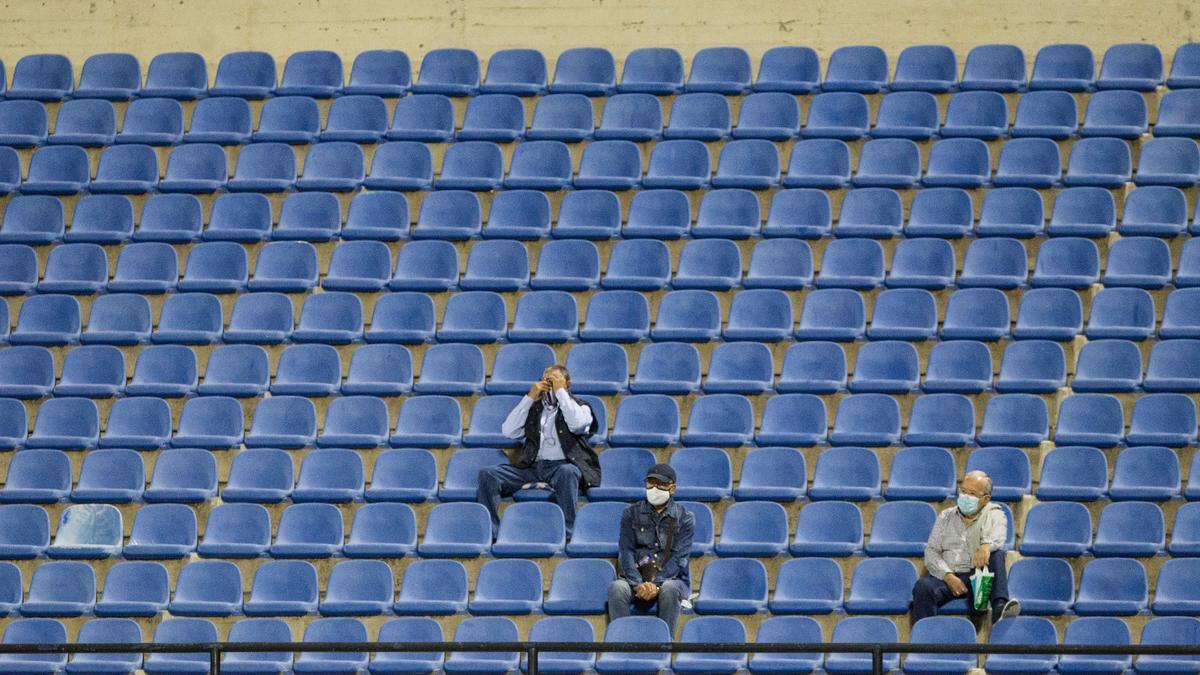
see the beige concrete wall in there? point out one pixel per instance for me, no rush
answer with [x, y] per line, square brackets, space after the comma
[212, 27]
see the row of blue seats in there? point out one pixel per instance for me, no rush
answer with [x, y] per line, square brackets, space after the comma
[1107, 587]
[1087, 631]
[454, 215]
[547, 165]
[151, 268]
[592, 71]
[571, 118]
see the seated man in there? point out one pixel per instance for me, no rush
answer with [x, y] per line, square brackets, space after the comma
[654, 550]
[966, 536]
[554, 426]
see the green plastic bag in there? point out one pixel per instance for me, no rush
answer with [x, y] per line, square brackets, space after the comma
[981, 588]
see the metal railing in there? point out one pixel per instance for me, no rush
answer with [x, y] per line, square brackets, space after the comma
[532, 650]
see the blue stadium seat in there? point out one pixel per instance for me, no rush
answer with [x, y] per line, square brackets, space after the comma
[283, 588]
[316, 73]
[181, 75]
[652, 70]
[66, 423]
[706, 630]
[886, 366]
[1073, 473]
[451, 72]
[713, 264]
[1168, 161]
[851, 263]
[1131, 66]
[1044, 586]
[1032, 366]
[723, 70]
[164, 370]
[239, 217]
[183, 630]
[832, 314]
[1181, 304]
[888, 162]
[941, 419]
[760, 314]
[699, 116]
[856, 629]
[516, 366]
[922, 263]
[790, 69]
[904, 314]
[976, 114]
[333, 629]
[236, 530]
[616, 316]
[283, 422]
[428, 421]
[146, 267]
[264, 167]
[1112, 587]
[507, 587]
[1108, 366]
[422, 118]
[1092, 631]
[42, 77]
[793, 419]
[953, 630]
[1174, 593]
[330, 476]
[783, 629]
[80, 269]
[195, 168]
[807, 586]
[730, 213]
[858, 68]
[308, 531]
[1069, 67]
[607, 165]
[23, 124]
[152, 121]
[870, 212]
[1162, 419]
[1090, 419]
[1019, 419]
[118, 318]
[362, 266]
[562, 117]
[921, 472]
[1099, 162]
[646, 420]
[1167, 631]
[1176, 112]
[1012, 212]
[24, 535]
[597, 368]
[96, 371]
[487, 415]
[687, 315]
[596, 532]
[623, 472]
[245, 75]
[501, 265]
[704, 473]
[1050, 314]
[222, 120]
[842, 115]
[473, 316]
[57, 170]
[926, 68]
[263, 318]
[563, 629]
[772, 473]
[493, 117]
[452, 215]
[1023, 630]
[850, 473]
[336, 166]
[162, 531]
[906, 114]
[813, 367]
[42, 477]
[1171, 367]
[457, 530]
[1024, 162]
[135, 589]
[1185, 67]
[25, 372]
[866, 419]
[472, 165]
[236, 370]
[1130, 529]
[188, 476]
[126, 169]
[590, 71]
[1007, 466]
[20, 270]
[540, 165]
[408, 629]
[382, 72]
[1046, 114]
[401, 165]
[1122, 313]
[484, 629]
[773, 116]
[10, 176]
[1116, 113]
[425, 266]
[643, 265]
[702, 537]
[958, 162]
[142, 423]
[816, 163]
[112, 631]
[47, 320]
[900, 528]
[385, 529]
[34, 632]
[1143, 262]
[1062, 529]
[1154, 211]
[627, 117]
[881, 586]
[257, 630]
[358, 587]
[682, 164]
[402, 317]
[1083, 212]
[732, 586]
[60, 588]
[359, 118]
[102, 219]
[784, 264]
[567, 265]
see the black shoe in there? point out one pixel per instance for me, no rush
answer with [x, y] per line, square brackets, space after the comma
[1010, 609]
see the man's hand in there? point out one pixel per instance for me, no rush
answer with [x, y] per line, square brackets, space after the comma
[557, 381]
[647, 591]
[981, 555]
[957, 587]
[538, 389]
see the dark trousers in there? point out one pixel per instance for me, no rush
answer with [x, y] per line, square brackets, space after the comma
[929, 593]
[561, 476]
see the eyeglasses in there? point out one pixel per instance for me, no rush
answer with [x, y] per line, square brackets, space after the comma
[656, 484]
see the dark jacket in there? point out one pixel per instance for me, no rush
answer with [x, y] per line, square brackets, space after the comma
[644, 533]
[575, 446]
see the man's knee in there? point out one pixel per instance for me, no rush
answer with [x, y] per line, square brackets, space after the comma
[619, 591]
[671, 592]
[489, 479]
[567, 476]
[925, 587]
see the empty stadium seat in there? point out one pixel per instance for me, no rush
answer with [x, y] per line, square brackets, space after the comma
[958, 162]
[646, 420]
[1108, 366]
[112, 630]
[850, 473]
[34, 632]
[851, 263]
[385, 529]
[264, 167]
[23, 124]
[124, 169]
[1008, 467]
[1069, 67]
[732, 586]
[185, 630]
[1173, 594]
[1090, 419]
[42, 77]
[944, 630]
[688, 315]
[900, 529]
[95, 371]
[922, 263]
[257, 630]
[704, 473]
[331, 318]
[921, 472]
[904, 314]
[308, 531]
[566, 117]
[333, 629]
[456, 530]
[906, 114]
[359, 118]
[886, 366]
[283, 422]
[1062, 529]
[1094, 630]
[1033, 366]
[881, 586]
[590, 71]
[652, 70]
[1016, 419]
[222, 120]
[42, 476]
[24, 535]
[134, 589]
[1170, 367]
[816, 163]
[837, 114]
[1130, 529]
[424, 118]
[1168, 161]
[47, 320]
[330, 476]
[336, 166]
[148, 267]
[164, 370]
[870, 212]
[1073, 473]
[1112, 587]
[976, 114]
[1162, 419]
[358, 587]
[142, 423]
[236, 370]
[245, 74]
[195, 168]
[66, 423]
[1143, 262]
[1122, 313]
[1028, 162]
[80, 269]
[855, 629]
[152, 121]
[162, 531]
[315, 73]
[832, 314]
[181, 75]
[487, 416]
[239, 217]
[283, 588]
[1049, 313]
[60, 588]
[1176, 112]
[1166, 631]
[381, 369]
[713, 264]
[262, 318]
[236, 531]
[183, 475]
[941, 419]
[1100, 162]
[1116, 113]
[889, 163]
[507, 587]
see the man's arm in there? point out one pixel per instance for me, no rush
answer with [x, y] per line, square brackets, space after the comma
[578, 417]
[514, 424]
[935, 565]
[681, 549]
[626, 555]
[995, 531]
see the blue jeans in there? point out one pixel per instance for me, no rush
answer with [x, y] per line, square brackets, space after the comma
[929, 594]
[500, 481]
[670, 594]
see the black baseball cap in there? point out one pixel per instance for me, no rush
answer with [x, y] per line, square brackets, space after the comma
[662, 473]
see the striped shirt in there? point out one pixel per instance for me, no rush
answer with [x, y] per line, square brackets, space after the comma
[948, 551]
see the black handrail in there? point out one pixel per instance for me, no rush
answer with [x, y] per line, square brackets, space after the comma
[877, 650]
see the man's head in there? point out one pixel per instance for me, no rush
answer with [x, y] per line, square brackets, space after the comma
[974, 492]
[660, 484]
[558, 376]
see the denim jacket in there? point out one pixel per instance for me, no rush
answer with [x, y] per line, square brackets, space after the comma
[644, 533]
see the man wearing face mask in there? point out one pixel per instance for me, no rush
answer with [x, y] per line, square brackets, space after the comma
[966, 536]
[554, 452]
[655, 547]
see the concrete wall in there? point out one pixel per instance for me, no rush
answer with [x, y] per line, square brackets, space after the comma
[212, 27]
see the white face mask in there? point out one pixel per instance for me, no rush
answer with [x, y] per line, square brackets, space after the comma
[657, 496]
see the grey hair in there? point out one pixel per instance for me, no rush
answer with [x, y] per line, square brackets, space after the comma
[987, 480]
